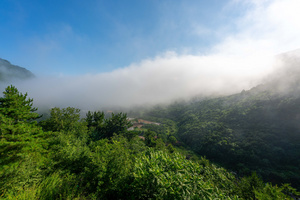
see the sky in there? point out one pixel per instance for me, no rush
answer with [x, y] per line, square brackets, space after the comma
[74, 37]
[120, 52]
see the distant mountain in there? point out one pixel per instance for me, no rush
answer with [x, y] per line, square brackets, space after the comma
[9, 72]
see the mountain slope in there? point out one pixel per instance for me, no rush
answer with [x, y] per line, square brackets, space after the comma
[255, 130]
[9, 72]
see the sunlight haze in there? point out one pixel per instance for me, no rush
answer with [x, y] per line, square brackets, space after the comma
[109, 53]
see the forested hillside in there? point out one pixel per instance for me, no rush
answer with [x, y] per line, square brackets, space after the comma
[96, 157]
[255, 130]
[9, 72]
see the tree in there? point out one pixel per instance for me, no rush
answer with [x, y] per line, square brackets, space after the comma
[150, 138]
[17, 106]
[95, 119]
[172, 140]
[95, 123]
[66, 119]
[21, 142]
[117, 124]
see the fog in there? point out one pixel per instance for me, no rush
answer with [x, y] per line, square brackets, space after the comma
[239, 61]
[285, 77]
[159, 80]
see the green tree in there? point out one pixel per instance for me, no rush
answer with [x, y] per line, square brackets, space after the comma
[21, 142]
[65, 119]
[95, 124]
[95, 119]
[172, 140]
[117, 124]
[17, 106]
[150, 138]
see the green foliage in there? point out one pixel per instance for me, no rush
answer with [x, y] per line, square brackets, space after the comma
[16, 106]
[170, 148]
[66, 119]
[55, 186]
[167, 127]
[158, 175]
[274, 192]
[118, 168]
[256, 130]
[116, 124]
[172, 140]
[100, 127]
[150, 138]
[95, 123]
[95, 119]
[22, 143]
[247, 186]
[97, 158]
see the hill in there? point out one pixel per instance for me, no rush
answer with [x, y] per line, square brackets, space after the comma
[65, 157]
[255, 130]
[9, 72]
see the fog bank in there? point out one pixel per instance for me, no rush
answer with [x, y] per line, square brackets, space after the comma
[153, 81]
[240, 60]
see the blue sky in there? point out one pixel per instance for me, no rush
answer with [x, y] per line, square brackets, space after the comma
[124, 53]
[78, 37]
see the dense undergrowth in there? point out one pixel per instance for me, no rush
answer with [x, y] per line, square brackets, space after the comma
[65, 157]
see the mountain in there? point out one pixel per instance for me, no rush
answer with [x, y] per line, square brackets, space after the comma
[255, 130]
[63, 157]
[99, 158]
[9, 72]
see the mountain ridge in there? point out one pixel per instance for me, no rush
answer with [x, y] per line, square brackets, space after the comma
[254, 130]
[10, 72]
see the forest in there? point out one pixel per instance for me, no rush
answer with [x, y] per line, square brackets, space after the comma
[235, 147]
[255, 130]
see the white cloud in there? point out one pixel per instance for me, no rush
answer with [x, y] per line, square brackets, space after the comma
[237, 63]
[268, 27]
[152, 81]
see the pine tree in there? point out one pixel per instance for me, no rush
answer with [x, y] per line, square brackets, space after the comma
[20, 141]
[16, 106]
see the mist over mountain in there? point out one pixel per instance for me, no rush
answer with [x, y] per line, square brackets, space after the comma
[150, 99]
[10, 72]
[253, 130]
[262, 119]
[286, 77]
[161, 80]
[150, 82]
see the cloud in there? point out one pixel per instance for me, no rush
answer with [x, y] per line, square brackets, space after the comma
[149, 82]
[268, 26]
[238, 62]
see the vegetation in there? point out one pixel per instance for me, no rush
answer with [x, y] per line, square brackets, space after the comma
[256, 130]
[66, 157]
